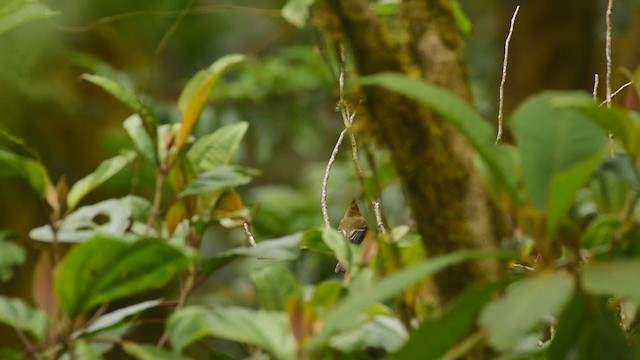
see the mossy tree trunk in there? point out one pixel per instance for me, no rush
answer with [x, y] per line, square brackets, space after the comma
[433, 161]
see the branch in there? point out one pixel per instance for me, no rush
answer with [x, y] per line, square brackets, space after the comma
[325, 180]
[504, 73]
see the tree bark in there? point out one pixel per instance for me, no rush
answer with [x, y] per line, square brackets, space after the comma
[433, 161]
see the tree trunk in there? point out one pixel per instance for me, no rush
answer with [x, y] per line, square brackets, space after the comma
[433, 161]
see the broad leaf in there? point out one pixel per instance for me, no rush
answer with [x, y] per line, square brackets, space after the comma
[274, 285]
[618, 278]
[551, 140]
[284, 248]
[17, 12]
[11, 255]
[81, 224]
[297, 12]
[135, 128]
[460, 115]
[268, 330]
[112, 318]
[312, 240]
[217, 148]
[342, 317]
[149, 352]
[105, 268]
[30, 170]
[435, 336]
[196, 93]
[343, 250]
[218, 179]
[528, 303]
[103, 172]
[383, 332]
[17, 314]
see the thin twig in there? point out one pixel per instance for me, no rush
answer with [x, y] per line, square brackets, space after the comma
[185, 291]
[247, 231]
[624, 86]
[607, 51]
[504, 73]
[596, 81]
[325, 179]
[172, 29]
[378, 214]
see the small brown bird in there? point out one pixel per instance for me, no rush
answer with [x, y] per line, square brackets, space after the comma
[353, 227]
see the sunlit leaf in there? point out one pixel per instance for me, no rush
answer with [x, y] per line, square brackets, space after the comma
[196, 93]
[112, 318]
[384, 332]
[105, 268]
[17, 314]
[30, 170]
[149, 352]
[284, 248]
[527, 302]
[141, 140]
[268, 330]
[17, 12]
[297, 11]
[217, 148]
[106, 170]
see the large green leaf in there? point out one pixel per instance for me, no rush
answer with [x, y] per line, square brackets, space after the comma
[435, 336]
[588, 330]
[342, 316]
[551, 140]
[196, 93]
[106, 170]
[220, 178]
[17, 12]
[30, 170]
[382, 332]
[217, 148]
[268, 330]
[106, 268]
[618, 278]
[149, 352]
[17, 314]
[274, 285]
[526, 304]
[284, 248]
[475, 129]
[343, 249]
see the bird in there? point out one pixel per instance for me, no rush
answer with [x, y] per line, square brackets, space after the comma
[353, 227]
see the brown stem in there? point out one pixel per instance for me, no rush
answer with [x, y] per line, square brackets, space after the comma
[161, 176]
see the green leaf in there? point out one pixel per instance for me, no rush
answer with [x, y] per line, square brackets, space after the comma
[312, 240]
[149, 352]
[284, 248]
[86, 351]
[612, 120]
[141, 140]
[601, 231]
[17, 12]
[342, 316]
[81, 224]
[218, 179]
[342, 249]
[564, 185]
[105, 268]
[268, 330]
[117, 316]
[528, 303]
[618, 278]
[196, 93]
[462, 20]
[217, 148]
[11, 255]
[17, 314]
[297, 12]
[437, 335]
[127, 97]
[274, 285]
[475, 129]
[385, 332]
[551, 140]
[101, 174]
[30, 170]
